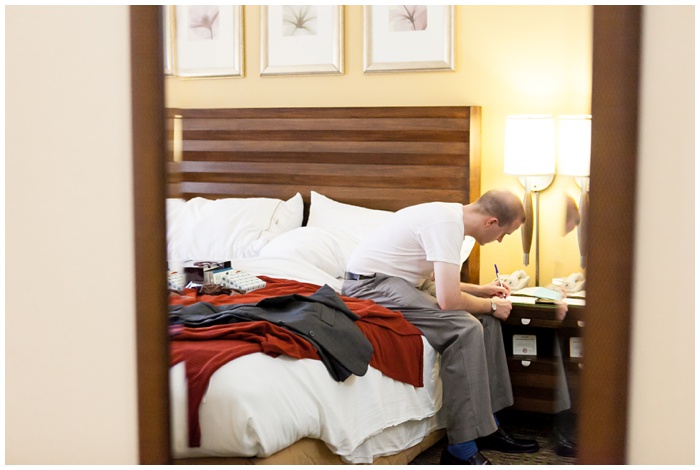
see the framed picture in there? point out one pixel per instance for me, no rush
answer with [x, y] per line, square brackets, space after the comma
[168, 39]
[208, 41]
[408, 38]
[301, 39]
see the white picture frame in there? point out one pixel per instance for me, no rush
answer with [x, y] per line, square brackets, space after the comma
[301, 39]
[208, 40]
[408, 38]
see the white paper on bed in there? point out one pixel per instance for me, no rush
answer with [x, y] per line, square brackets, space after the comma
[248, 413]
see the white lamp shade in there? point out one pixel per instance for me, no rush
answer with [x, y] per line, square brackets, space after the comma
[574, 145]
[529, 147]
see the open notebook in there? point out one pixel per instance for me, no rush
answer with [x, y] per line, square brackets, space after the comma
[533, 295]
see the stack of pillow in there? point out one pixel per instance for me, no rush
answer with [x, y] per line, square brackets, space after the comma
[235, 228]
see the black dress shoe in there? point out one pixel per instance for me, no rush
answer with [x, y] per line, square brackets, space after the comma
[504, 442]
[477, 459]
[563, 446]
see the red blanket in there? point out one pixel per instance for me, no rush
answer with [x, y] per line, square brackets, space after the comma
[398, 348]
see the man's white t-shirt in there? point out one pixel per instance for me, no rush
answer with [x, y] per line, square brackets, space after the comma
[409, 241]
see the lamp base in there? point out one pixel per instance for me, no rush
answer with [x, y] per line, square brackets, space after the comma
[536, 183]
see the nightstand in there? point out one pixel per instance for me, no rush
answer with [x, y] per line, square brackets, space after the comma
[544, 356]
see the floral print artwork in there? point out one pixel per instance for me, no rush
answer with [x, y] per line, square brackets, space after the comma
[299, 20]
[204, 23]
[408, 17]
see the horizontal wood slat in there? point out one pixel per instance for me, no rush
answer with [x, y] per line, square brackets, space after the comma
[335, 192]
[365, 135]
[382, 158]
[358, 146]
[325, 169]
[330, 157]
[332, 181]
[432, 112]
[331, 124]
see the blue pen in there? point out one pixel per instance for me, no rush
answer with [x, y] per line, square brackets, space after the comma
[498, 276]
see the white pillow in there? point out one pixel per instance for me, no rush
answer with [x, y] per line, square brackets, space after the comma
[173, 206]
[349, 224]
[354, 221]
[327, 249]
[230, 228]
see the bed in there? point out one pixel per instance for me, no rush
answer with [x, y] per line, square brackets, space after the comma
[285, 195]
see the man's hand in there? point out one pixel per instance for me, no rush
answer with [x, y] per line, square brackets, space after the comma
[493, 289]
[561, 306]
[560, 310]
[503, 308]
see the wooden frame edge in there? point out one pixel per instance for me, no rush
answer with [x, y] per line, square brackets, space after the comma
[148, 130]
[615, 97]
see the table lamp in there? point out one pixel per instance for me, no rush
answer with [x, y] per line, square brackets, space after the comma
[529, 154]
[574, 149]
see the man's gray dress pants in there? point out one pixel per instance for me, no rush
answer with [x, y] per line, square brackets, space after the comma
[473, 366]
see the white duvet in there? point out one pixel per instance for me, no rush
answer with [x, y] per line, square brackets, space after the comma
[257, 405]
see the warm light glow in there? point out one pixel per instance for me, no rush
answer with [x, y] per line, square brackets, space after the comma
[529, 147]
[177, 138]
[574, 138]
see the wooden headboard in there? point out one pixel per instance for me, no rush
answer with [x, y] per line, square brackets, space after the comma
[378, 157]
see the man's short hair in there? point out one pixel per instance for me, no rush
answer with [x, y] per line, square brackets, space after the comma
[503, 205]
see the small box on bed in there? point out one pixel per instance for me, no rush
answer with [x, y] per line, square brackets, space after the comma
[201, 272]
[240, 281]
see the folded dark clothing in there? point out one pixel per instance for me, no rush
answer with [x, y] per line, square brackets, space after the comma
[199, 310]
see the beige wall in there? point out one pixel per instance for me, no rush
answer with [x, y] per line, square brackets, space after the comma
[70, 368]
[662, 398]
[510, 60]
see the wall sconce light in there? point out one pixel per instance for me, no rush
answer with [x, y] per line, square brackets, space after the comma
[574, 149]
[529, 154]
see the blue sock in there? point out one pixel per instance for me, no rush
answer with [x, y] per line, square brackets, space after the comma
[463, 450]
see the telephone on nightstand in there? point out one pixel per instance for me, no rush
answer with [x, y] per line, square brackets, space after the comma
[574, 283]
[516, 281]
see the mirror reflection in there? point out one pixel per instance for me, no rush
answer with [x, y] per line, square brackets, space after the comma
[221, 160]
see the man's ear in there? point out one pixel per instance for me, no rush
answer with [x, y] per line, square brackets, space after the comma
[491, 221]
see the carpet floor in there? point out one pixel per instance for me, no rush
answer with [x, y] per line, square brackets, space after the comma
[520, 424]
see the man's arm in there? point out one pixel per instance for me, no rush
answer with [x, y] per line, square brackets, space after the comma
[487, 290]
[449, 294]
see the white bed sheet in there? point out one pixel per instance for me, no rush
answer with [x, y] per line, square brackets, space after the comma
[257, 405]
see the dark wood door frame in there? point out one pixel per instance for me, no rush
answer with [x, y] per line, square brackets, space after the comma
[604, 381]
[149, 169]
[614, 106]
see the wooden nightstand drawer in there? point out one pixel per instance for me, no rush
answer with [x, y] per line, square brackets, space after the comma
[544, 341]
[542, 380]
[535, 381]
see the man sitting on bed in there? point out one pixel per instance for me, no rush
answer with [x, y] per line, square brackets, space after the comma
[417, 249]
